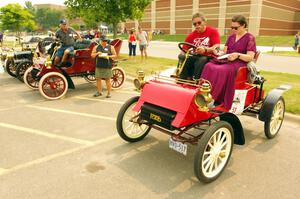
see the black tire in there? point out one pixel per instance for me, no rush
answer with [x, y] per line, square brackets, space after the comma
[273, 125]
[207, 158]
[121, 122]
[10, 67]
[21, 69]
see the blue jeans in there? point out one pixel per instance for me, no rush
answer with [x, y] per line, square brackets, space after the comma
[132, 49]
[61, 50]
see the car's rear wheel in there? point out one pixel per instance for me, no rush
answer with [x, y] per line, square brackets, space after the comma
[118, 77]
[128, 125]
[213, 151]
[21, 69]
[29, 80]
[53, 85]
[273, 125]
[10, 67]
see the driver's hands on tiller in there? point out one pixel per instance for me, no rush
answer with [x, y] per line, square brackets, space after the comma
[201, 50]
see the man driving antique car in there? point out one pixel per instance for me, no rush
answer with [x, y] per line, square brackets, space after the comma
[207, 39]
[66, 35]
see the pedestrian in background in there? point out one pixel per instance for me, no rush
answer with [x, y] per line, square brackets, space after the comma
[296, 43]
[132, 43]
[142, 37]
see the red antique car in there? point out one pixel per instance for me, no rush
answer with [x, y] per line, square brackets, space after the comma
[54, 82]
[189, 118]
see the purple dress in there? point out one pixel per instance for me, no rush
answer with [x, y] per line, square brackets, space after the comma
[222, 73]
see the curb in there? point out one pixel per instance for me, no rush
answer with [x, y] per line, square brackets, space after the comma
[292, 117]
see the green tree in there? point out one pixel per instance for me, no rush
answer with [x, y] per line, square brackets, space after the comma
[108, 11]
[48, 18]
[15, 18]
[29, 7]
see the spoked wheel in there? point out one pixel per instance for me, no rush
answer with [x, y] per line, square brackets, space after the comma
[53, 85]
[90, 78]
[10, 67]
[213, 151]
[21, 68]
[128, 125]
[118, 77]
[29, 80]
[273, 125]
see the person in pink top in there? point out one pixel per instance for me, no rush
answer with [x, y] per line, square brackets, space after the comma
[207, 39]
[132, 43]
[240, 48]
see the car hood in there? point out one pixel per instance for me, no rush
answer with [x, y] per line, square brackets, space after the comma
[176, 97]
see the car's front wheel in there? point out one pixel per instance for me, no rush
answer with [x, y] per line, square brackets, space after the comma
[53, 85]
[213, 151]
[128, 125]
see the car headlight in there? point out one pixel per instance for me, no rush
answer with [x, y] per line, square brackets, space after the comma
[139, 82]
[203, 97]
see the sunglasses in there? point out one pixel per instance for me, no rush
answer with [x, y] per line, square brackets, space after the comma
[235, 28]
[197, 23]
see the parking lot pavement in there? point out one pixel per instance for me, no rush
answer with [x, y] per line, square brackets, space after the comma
[70, 148]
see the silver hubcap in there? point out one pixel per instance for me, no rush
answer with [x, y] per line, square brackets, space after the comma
[131, 128]
[277, 117]
[216, 152]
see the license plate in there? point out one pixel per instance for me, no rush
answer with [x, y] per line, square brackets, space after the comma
[178, 146]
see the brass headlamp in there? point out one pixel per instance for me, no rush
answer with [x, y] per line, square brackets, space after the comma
[48, 62]
[140, 80]
[203, 98]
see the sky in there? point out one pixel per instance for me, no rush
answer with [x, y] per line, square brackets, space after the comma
[22, 2]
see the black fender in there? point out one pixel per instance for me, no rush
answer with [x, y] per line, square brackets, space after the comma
[269, 103]
[70, 81]
[238, 130]
[17, 61]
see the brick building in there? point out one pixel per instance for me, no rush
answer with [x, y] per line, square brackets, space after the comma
[265, 17]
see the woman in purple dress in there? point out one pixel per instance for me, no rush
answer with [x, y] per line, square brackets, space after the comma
[241, 48]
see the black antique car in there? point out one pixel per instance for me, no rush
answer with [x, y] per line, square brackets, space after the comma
[17, 62]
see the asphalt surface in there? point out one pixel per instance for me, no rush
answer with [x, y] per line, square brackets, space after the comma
[70, 148]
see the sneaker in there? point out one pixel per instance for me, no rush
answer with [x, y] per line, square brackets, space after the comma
[97, 94]
[108, 96]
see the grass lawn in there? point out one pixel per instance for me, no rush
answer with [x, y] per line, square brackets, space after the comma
[285, 53]
[273, 79]
[151, 65]
[292, 96]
